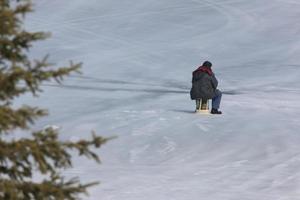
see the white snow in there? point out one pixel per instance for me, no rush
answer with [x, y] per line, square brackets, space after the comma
[138, 58]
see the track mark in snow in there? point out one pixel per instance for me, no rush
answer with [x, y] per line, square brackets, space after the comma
[235, 17]
[169, 146]
[128, 15]
[203, 127]
[141, 131]
[290, 1]
[147, 129]
[240, 163]
[135, 153]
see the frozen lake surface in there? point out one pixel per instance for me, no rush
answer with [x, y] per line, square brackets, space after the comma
[138, 58]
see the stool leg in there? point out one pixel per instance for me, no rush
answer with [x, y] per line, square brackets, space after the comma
[204, 104]
[198, 104]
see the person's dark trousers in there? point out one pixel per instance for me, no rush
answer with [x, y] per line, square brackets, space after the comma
[217, 100]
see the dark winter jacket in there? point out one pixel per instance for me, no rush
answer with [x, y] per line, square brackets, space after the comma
[204, 84]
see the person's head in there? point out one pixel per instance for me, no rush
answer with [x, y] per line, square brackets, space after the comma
[207, 64]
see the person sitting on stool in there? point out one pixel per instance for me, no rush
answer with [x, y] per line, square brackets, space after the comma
[204, 86]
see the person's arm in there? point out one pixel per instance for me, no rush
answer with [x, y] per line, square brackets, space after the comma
[214, 81]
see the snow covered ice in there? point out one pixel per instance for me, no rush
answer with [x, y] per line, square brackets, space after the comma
[138, 58]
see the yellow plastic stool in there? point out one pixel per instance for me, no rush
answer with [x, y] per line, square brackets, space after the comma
[204, 106]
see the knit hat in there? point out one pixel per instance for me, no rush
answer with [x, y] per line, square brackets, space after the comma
[207, 64]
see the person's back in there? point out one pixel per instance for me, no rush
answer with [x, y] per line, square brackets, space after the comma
[204, 86]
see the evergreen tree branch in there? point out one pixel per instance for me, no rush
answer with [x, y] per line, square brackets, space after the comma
[11, 119]
[55, 189]
[45, 151]
[32, 76]
[42, 153]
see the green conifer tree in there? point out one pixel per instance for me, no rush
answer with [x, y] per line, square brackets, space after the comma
[42, 152]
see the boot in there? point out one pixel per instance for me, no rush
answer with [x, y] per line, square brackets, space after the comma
[215, 111]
